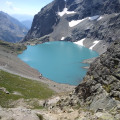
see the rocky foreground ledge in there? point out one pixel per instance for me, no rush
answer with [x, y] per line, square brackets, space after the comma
[100, 90]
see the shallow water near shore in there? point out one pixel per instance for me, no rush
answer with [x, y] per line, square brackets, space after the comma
[59, 61]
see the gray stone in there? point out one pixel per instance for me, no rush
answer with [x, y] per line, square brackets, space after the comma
[117, 117]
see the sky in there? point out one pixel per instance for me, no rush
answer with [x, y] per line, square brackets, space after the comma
[29, 7]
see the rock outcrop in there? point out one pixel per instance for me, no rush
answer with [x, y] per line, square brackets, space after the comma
[73, 20]
[11, 30]
[100, 88]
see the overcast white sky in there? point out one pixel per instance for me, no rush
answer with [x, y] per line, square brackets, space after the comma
[30, 7]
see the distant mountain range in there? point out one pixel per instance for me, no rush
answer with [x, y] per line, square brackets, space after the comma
[26, 20]
[11, 30]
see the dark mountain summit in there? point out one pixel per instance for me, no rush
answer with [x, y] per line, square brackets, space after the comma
[73, 20]
[11, 30]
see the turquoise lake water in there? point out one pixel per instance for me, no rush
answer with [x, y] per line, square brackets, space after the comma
[59, 61]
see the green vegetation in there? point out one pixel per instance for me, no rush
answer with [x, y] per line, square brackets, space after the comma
[117, 98]
[27, 89]
[16, 48]
[40, 117]
[107, 88]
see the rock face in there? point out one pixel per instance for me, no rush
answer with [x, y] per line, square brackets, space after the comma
[100, 88]
[74, 20]
[11, 30]
[45, 20]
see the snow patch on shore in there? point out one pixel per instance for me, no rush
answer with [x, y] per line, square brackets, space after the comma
[62, 38]
[94, 17]
[65, 11]
[95, 43]
[80, 42]
[75, 22]
[101, 17]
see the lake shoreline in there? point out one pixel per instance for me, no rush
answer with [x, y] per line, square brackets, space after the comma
[58, 61]
[88, 61]
[9, 62]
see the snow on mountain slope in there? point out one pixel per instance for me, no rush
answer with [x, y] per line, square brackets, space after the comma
[95, 20]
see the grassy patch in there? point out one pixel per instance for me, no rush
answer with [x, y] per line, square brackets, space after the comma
[28, 89]
[40, 117]
[107, 88]
[117, 98]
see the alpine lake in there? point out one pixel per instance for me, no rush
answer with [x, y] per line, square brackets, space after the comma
[59, 61]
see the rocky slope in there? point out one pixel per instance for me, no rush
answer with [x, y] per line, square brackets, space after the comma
[100, 89]
[11, 30]
[73, 20]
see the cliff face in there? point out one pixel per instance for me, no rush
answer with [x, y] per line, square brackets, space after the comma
[45, 20]
[11, 30]
[73, 20]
